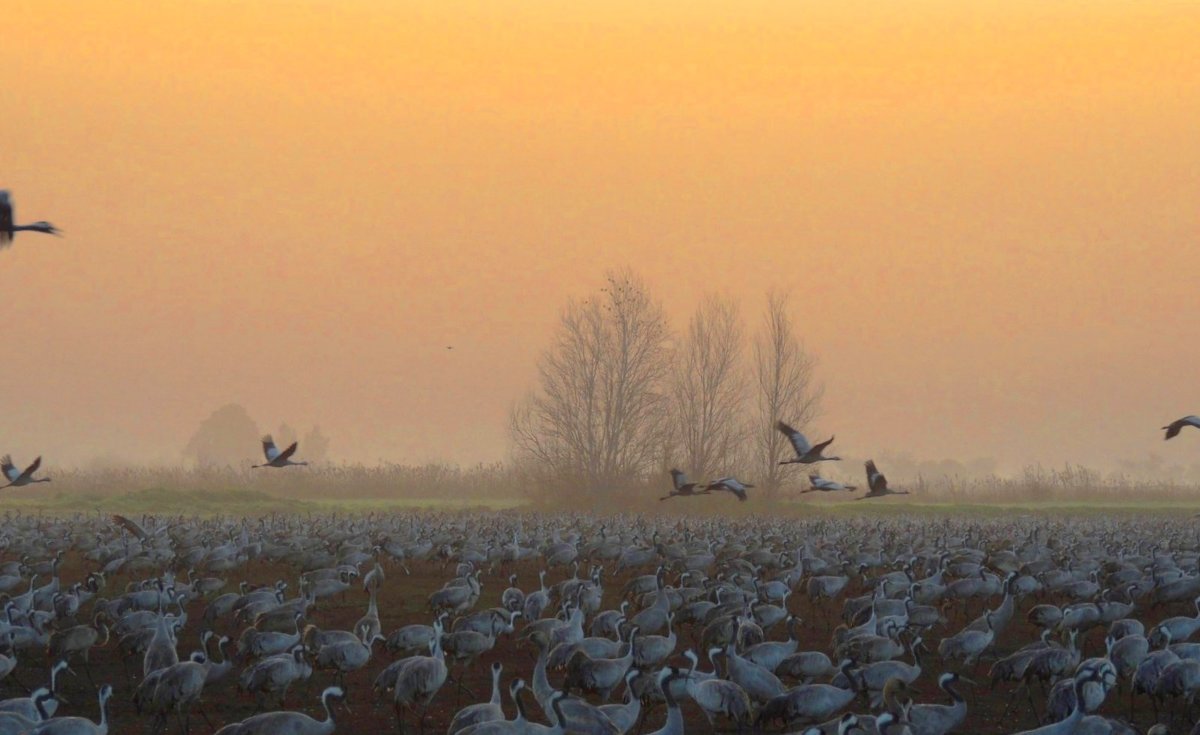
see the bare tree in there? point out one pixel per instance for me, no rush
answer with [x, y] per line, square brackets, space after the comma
[597, 417]
[785, 388]
[708, 390]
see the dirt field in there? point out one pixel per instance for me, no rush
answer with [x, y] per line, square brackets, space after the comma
[403, 601]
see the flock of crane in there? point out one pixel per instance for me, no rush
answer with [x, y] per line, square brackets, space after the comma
[601, 625]
[275, 457]
[806, 453]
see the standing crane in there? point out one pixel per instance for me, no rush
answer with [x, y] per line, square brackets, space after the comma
[287, 721]
[419, 679]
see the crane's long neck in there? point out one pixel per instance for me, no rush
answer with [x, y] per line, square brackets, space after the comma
[1076, 713]
[542, 691]
[225, 663]
[103, 713]
[327, 725]
[674, 714]
[496, 688]
[516, 697]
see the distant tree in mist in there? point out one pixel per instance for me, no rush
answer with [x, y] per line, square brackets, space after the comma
[1155, 467]
[598, 416]
[228, 437]
[284, 435]
[785, 390]
[315, 445]
[905, 468]
[708, 391]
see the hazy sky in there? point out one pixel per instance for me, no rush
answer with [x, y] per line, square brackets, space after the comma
[987, 212]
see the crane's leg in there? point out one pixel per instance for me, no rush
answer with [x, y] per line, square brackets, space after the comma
[468, 689]
[1011, 698]
[87, 669]
[641, 722]
[205, 716]
[1032, 706]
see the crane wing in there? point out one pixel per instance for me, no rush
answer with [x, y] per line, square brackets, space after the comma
[875, 479]
[132, 526]
[6, 218]
[287, 453]
[270, 451]
[33, 467]
[730, 485]
[1178, 425]
[818, 448]
[679, 478]
[798, 440]
[8, 468]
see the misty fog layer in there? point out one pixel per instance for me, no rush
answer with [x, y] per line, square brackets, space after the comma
[985, 215]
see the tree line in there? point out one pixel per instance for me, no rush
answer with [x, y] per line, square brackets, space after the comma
[230, 437]
[621, 396]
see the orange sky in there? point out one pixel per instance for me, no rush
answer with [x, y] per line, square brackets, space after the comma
[987, 212]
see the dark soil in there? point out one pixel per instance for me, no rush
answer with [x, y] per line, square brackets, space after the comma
[403, 601]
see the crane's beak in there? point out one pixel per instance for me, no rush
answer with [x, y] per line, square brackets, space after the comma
[965, 680]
